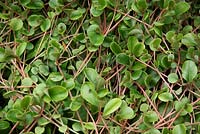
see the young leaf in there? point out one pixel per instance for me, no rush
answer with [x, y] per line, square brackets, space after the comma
[89, 126]
[76, 14]
[89, 94]
[16, 24]
[126, 113]
[94, 34]
[165, 97]
[35, 20]
[21, 48]
[58, 93]
[189, 70]
[179, 129]
[39, 130]
[112, 106]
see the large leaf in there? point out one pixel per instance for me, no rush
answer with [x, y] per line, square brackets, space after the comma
[112, 106]
[189, 70]
[94, 34]
[58, 93]
[89, 94]
[13, 115]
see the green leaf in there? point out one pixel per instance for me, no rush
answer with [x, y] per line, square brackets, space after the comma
[25, 2]
[55, 76]
[21, 48]
[179, 129]
[35, 4]
[181, 7]
[165, 97]
[95, 12]
[89, 94]
[26, 101]
[189, 70]
[142, 5]
[189, 40]
[76, 14]
[94, 34]
[69, 84]
[39, 130]
[115, 48]
[155, 44]
[150, 116]
[126, 113]
[77, 126]
[13, 115]
[61, 28]
[76, 104]
[58, 93]
[153, 131]
[45, 25]
[91, 74]
[172, 77]
[27, 82]
[144, 107]
[4, 125]
[89, 126]
[132, 41]
[63, 129]
[16, 24]
[112, 106]
[122, 58]
[35, 20]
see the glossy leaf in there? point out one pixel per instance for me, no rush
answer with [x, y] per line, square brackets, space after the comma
[45, 25]
[155, 44]
[35, 20]
[13, 115]
[76, 14]
[21, 48]
[115, 48]
[112, 106]
[122, 58]
[189, 70]
[58, 93]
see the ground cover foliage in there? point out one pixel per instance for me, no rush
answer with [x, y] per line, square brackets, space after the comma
[99, 66]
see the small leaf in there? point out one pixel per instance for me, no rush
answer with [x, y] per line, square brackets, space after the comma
[4, 125]
[16, 24]
[58, 93]
[89, 94]
[189, 70]
[55, 76]
[126, 113]
[91, 74]
[94, 34]
[132, 41]
[112, 106]
[27, 82]
[26, 101]
[39, 130]
[69, 84]
[144, 107]
[35, 20]
[13, 115]
[45, 25]
[122, 58]
[155, 44]
[36, 4]
[179, 129]
[181, 7]
[115, 48]
[76, 14]
[21, 48]
[172, 77]
[61, 28]
[165, 97]
[89, 126]
[150, 116]
[63, 129]
[189, 40]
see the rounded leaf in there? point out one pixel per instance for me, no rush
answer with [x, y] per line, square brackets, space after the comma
[122, 58]
[189, 70]
[35, 20]
[181, 7]
[179, 129]
[172, 77]
[45, 25]
[165, 97]
[16, 24]
[155, 44]
[13, 115]
[150, 116]
[94, 34]
[58, 93]
[112, 106]
[4, 125]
